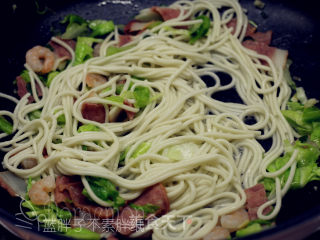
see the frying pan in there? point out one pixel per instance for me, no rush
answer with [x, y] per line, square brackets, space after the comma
[295, 26]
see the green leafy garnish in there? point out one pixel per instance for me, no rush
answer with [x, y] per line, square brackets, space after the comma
[146, 209]
[306, 171]
[105, 190]
[154, 24]
[88, 128]
[142, 96]
[5, 125]
[113, 50]
[84, 49]
[25, 75]
[141, 149]
[117, 99]
[51, 76]
[251, 229]
[198, 31]
[101, 27]
[49, 215]
[34, 115]
[77, 26]
[82, 233]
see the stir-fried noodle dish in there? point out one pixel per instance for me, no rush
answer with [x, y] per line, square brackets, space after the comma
[120, 125]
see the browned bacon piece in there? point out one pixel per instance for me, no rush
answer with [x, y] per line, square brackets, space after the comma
[94, 112]
[256, 196]
[68, 193]
[166, 13]
[60, 51]
[126, 222]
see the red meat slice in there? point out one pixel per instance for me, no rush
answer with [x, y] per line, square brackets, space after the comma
[256, 196]
[60, 51]
[94, 112]
[166, 13]
[128, 219]
[68, 193]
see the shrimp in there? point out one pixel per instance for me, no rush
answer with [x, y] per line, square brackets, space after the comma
[94, 79]
[39, 192]
[217, 233]
[40, 59]
[235, 220]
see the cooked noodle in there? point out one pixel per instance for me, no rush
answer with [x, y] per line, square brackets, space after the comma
[225, 154]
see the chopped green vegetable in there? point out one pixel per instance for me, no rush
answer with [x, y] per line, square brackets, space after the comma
[113, 50]
[84, 49]
[198, 31]
[73, 18]
[61, 120]
[5, 125]
[77, 26]
[295, 106]
[101, 27]
[50, 215]
[251, 229]
[117, 99]
[315, 134]
[51, 76]
[138, 78]
[34, 115]
[175, 31]
[105, 190]
[123, 154]
[146, 209]
[306, 171]
[295, 119]
[311, 114]
[154, 24]
[126, 94]
[88, 128]
[82, 233]
[25, 75]
[141, 149]
[181, 151]
[142, 96]
[75, 30]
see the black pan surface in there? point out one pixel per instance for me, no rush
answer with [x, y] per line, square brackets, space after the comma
[295, 26]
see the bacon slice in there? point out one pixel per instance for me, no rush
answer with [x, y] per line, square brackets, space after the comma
[166, 13]
[126, 222]
[136, 26]
[94, 112]
[278, 56]
[22, 89]
[263, 37]
[124, 39]
[130, 114]
[256, 196]
[68, 193]
[249, 31]
[60, 51]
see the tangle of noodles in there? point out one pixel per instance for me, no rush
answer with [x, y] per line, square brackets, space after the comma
[224, 155]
